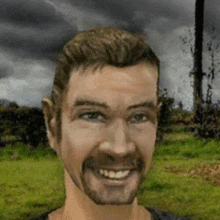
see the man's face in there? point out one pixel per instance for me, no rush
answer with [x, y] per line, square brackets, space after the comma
[109, 125]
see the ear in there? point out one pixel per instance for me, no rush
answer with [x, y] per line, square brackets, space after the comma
[50, 122]
[159, 105]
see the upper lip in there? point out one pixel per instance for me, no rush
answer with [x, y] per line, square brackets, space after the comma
[114, 168]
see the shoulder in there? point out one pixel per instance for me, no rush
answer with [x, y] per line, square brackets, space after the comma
[163, 215]
[45, 216]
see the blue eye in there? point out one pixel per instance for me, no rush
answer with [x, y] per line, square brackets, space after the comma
[93, 116]
[138, 118]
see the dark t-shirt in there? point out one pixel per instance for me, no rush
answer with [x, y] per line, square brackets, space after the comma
[156, 213]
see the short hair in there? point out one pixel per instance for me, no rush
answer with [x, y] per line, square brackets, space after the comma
[96, 48]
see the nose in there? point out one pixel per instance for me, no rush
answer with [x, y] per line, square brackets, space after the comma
[117, 141]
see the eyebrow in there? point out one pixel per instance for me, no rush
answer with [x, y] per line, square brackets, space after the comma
[148, 104]
[87, 102]
[83, 102]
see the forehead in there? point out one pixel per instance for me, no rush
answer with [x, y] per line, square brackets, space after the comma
[114, 85]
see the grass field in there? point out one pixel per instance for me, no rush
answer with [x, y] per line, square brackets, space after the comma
[184, 179]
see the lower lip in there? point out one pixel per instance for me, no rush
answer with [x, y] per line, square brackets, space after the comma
[113, 182]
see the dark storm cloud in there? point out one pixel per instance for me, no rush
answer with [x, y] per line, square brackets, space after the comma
[118, 10]
[35, 43]
[33, 32]
[137, 14]
[28, 13]
[5, 71]
[33, 28]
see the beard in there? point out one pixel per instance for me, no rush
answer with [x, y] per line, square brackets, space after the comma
[107, 194]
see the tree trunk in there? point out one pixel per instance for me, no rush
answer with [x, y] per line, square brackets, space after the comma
[197, 70]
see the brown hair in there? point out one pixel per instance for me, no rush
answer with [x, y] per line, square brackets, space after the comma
[97, 48]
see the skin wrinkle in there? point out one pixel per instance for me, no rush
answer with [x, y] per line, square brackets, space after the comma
[84, 102]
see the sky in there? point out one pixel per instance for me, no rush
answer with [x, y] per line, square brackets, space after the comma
[33, 32]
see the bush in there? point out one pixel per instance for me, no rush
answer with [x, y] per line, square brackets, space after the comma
[165, 113]
[25, 124]
[181, 116]
[207, 121]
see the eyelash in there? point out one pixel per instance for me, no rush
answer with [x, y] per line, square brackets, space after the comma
[131, 119]
[137, 115]
[96, 113]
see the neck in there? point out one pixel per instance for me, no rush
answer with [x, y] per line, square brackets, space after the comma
[80, 206]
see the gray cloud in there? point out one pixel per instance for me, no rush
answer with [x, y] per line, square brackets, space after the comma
[138, 14]
[28, 13]
[33, 29]
[5, 71]
[32, 33]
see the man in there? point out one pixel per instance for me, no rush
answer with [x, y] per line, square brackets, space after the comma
[101, 120]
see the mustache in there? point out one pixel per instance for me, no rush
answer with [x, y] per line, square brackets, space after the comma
[107, 160]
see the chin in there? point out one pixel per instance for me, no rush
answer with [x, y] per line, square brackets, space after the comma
[111, 196]
[111, 192]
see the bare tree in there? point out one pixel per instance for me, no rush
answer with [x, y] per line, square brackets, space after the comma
[197, 68]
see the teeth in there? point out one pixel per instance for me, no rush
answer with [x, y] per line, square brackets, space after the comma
[114, 175]
[105, 172]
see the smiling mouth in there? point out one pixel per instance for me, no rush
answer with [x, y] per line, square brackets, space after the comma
[111, 174]
[115, 172]
[114, 177]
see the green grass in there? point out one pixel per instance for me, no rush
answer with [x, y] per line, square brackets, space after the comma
[171, 187]
[184, 145]
[32, 182]
[182, 195]
[29, 187]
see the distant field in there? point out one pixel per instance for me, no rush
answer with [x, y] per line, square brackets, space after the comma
[184, 179]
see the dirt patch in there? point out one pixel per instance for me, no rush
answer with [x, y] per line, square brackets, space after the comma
[208, 172]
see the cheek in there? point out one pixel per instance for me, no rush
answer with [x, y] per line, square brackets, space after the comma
[78, 141]
[144, 139]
